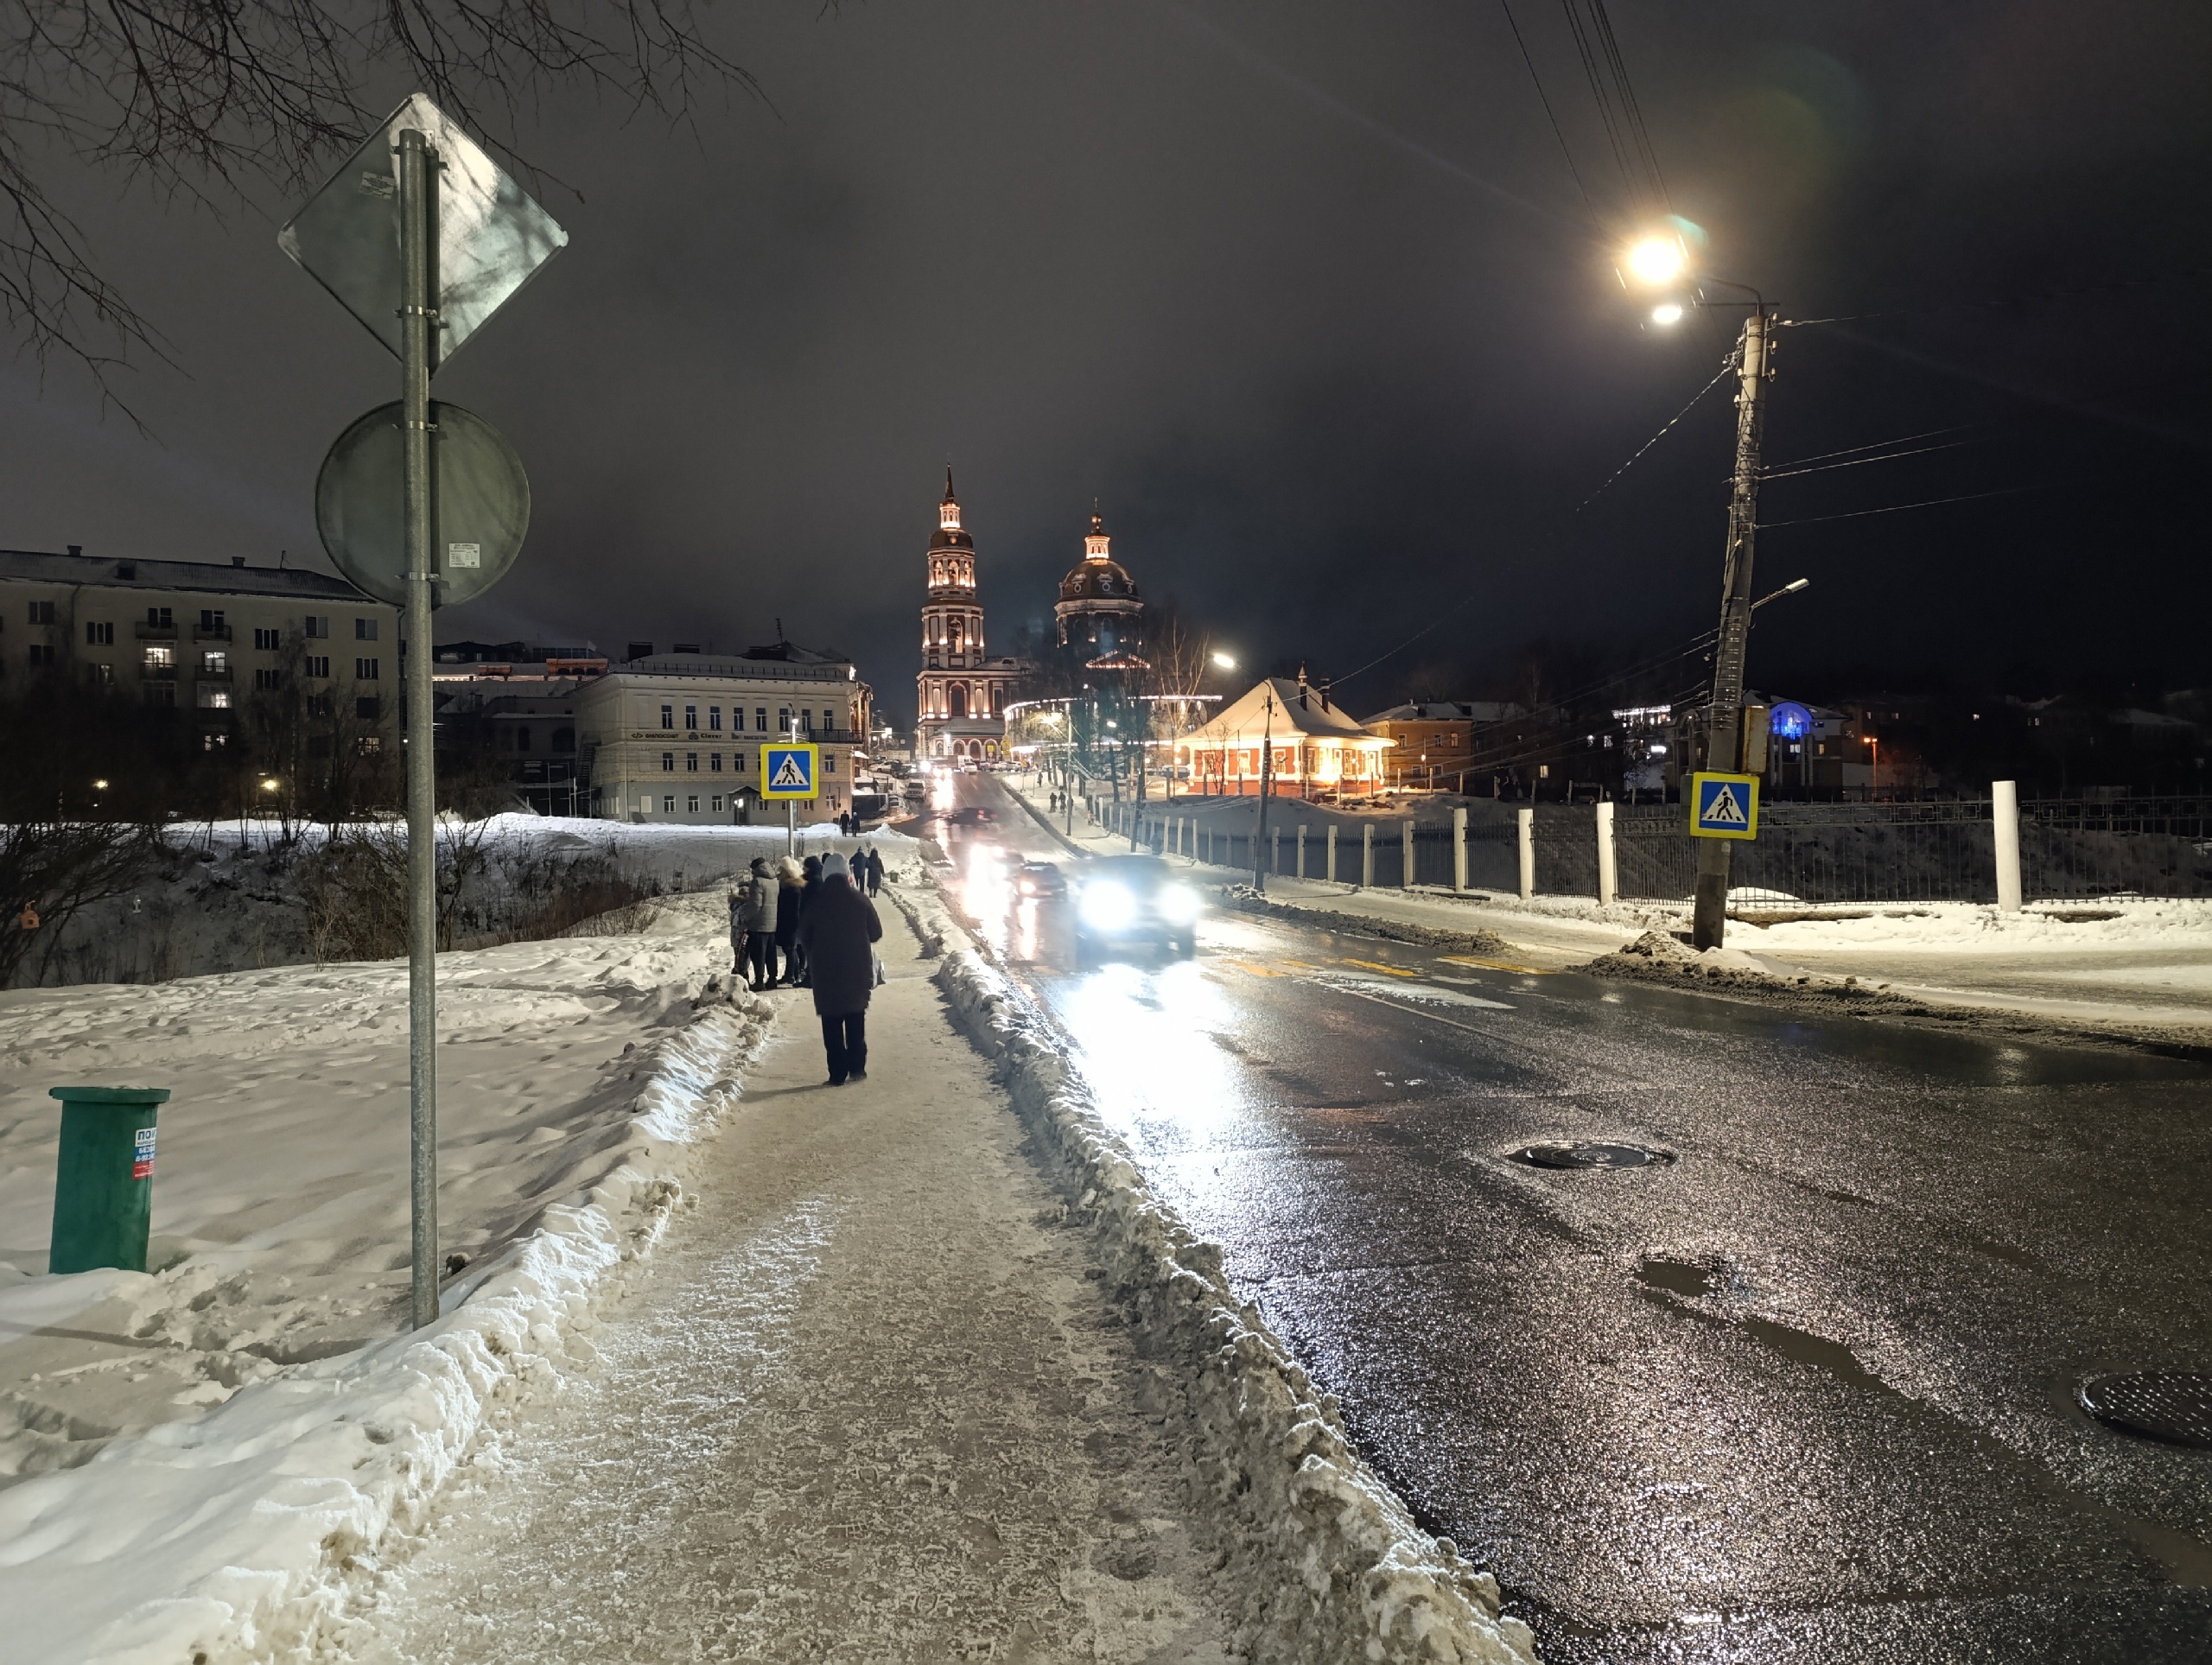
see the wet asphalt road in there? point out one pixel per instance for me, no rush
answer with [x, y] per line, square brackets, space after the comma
[1802, 1393]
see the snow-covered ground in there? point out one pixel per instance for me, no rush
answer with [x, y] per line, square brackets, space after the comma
[228, 897]
[195, 1450]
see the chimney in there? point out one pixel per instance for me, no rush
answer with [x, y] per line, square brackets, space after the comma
[76, 549]
[238, 561]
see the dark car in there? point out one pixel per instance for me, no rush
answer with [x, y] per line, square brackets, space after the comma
[1125, 901]
[972, 814]
[1039, 881]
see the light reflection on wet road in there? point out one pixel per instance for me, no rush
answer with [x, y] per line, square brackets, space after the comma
[1801, 1393]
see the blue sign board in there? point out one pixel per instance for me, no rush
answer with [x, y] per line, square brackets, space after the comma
[1789, 720]
[787, 771]
[1724, 806]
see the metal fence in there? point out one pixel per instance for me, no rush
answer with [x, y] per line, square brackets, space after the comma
[1807, 852]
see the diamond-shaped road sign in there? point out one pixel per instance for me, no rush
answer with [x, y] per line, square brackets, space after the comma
[489, 236]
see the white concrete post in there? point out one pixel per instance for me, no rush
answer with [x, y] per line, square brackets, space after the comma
[2005, 822]
[1528, 820]
[1332, 855]
[1609, 878]
[1301, 849]
[1459, 850]
[1406, 846]
[1275, 850]
[1367, 855]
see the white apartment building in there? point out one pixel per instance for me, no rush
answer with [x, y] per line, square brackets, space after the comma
[200, 636]
[677, 736]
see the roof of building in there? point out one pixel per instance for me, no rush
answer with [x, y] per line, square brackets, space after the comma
[1451, 711]
[753, 665]
[1299, 714]
[41, 566]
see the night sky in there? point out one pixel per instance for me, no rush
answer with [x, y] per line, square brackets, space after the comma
[1308, 298]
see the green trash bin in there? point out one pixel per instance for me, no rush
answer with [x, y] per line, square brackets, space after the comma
[104, 1182]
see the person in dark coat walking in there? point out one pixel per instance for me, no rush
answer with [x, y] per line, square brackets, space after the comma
[874, 871]
[838, 933]
[791, 889]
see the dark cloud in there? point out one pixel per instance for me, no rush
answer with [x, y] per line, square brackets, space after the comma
[1308, 297]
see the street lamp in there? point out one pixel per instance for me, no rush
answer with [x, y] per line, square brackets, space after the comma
[99, 785]
[1874, 780]
[1224, 662]
[1662, 261]
[1791, 588]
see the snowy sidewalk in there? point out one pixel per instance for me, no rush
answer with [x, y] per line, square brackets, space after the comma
[870, 1402]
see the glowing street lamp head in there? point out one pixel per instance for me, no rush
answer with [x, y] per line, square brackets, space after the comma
[1667, 313]
[1224, 662]
[1657, 261]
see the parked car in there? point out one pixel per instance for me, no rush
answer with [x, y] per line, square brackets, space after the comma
[972, 814]
[1127, 901]
[1041, 880]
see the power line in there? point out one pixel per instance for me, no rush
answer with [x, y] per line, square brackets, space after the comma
[2004, 302]
[1878, 445]
[1931, 503]
[1543, 98]
[1860, 462]
[1725, 371]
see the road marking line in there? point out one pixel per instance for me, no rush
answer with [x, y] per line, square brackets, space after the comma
[1377, 965]
[1414, 1011]
[1256, 970]
[1494, 965]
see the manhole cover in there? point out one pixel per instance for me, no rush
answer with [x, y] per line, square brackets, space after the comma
[1590, 1156]
[2172, 1405]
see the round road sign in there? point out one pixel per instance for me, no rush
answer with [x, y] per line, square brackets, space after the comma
[480, 505]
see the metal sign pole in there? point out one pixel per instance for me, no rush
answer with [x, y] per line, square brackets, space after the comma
[415, 187]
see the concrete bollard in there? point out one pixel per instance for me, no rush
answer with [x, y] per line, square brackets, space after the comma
[1460, 851]
[1301, 849]
[1332, 855]
[1275, 850]
[1528, 820]
[1367, 857]
[2004, 823]
[1405, 874]
[1609, 882]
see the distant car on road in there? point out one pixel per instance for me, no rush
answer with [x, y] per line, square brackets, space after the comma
[1127, 900]
[1042, 880]
[972, 814]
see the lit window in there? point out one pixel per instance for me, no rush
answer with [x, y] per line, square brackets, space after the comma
[212, 698]
[214, 663]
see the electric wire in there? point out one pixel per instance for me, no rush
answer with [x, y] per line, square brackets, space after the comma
[1860, 462]
[1899, 508]
[1727, 370]
[1544, 98]
[1877, 445]
[2005, 303]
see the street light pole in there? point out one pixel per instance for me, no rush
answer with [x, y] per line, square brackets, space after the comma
[1724, 733]
[418, 182]
[1267, 780]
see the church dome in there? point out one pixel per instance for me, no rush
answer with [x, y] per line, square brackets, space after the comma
[1098, 580]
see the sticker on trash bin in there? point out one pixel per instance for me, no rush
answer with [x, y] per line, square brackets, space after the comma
[142, 1157]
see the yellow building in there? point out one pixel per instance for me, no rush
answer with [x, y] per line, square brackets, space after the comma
[1318, 748]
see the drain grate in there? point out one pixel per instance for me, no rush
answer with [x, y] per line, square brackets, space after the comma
[2175, 1406]
[1587, 1155]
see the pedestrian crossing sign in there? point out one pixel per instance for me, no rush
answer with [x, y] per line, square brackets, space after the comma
[1724, 806]
[788, 771]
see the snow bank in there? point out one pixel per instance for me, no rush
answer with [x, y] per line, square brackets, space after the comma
[231, 1537]
[1333, 1567]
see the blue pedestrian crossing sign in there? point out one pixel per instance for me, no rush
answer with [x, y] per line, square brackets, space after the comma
[1724, 806]
[789, 771]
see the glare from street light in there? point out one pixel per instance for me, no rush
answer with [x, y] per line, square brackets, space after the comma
[1224, 662]
[99, 785]
[269, 785]
[1657, 260]
[1667, 313]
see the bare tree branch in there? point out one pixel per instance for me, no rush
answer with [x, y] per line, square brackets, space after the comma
[208, 97]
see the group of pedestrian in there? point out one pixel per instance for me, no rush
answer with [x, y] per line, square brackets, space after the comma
[811, 925]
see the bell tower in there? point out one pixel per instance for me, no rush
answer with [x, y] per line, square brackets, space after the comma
[959, 701]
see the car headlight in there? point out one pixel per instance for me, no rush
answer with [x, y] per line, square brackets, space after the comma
[1108, 907]
[1178, 904]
